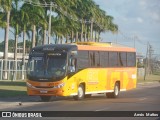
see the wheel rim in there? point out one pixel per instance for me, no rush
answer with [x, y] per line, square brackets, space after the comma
[80, 92]
[116, 90]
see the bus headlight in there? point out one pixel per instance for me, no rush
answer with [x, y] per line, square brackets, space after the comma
[29, 85]
[60, 85]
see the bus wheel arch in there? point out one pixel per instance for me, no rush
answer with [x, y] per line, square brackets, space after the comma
[115, 92]
[81, 92]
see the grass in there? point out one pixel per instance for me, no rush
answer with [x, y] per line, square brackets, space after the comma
[12, 89]
[149, 78]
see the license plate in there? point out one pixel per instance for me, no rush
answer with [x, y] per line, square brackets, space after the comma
[43, 91]
[43, 84]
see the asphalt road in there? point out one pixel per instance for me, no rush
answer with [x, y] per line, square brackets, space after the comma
[146, 97]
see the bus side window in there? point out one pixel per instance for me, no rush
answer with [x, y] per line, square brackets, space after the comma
[113, 59]
[131, 59]
[122, 59]
[104, 59]
[92, 58]
[82, 59]
[72, 65]
[97, 59]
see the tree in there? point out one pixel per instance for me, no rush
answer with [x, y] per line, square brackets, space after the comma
[6, 6]
[36, 17]
[24, 23]
[15, 19]
[10, 45]
[64, 24]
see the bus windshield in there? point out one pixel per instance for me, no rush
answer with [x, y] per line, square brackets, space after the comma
[49, 67]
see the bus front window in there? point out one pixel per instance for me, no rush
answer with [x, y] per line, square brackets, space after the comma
[49, 67]
[36, 66]
[56, 67]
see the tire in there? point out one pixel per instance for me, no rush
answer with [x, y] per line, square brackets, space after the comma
[115, 93]
[80, 95]
[46, 98]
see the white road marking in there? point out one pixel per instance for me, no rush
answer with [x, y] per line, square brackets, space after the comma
[102, 109]
[141, 99]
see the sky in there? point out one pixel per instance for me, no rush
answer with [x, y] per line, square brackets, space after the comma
[138, 22]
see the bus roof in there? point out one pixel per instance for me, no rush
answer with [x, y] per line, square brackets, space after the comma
[83, 46]
[55, 47]
[108, 46]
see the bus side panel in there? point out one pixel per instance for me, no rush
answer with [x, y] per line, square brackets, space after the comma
[125, 76]
[101, 80]
[132, 79]
[74, 81]
[128, 79]
[96, 80]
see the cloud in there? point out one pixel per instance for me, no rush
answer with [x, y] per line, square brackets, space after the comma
[143, 3]
[155, 16]
[150, 9]
[135, 17]
[140, 20]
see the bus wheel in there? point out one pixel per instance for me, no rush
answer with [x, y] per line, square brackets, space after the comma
[115, 93]
[81, 93]
[46, 98]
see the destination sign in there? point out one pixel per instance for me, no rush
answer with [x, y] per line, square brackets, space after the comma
[54, 54]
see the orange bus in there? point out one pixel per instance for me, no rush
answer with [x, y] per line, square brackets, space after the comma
[80, 70]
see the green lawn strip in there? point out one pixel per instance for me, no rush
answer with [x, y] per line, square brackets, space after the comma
[149, 78]
[12, 89]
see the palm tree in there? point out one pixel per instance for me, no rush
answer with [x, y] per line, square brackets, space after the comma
[3, 23]
[85, 10]
[6, 6]
[35, 15]
[15, 19]
[59, 3]
[24, 26]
